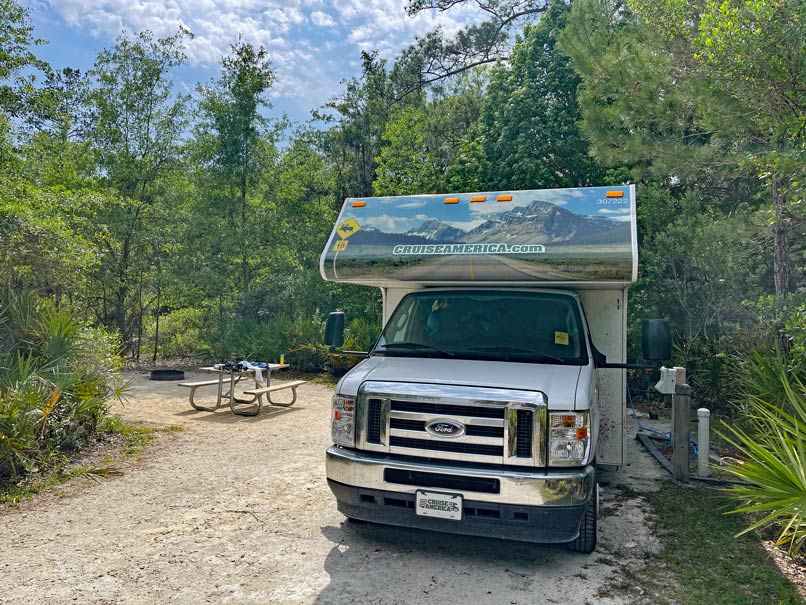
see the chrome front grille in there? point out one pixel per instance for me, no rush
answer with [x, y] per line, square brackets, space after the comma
[501, 426]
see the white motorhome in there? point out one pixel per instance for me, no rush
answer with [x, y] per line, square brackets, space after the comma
[497, 384]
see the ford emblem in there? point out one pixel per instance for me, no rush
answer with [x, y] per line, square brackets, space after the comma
[444, 427]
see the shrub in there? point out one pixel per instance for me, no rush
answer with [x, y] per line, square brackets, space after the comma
[181, 334]
[774, 451]
[56, 377]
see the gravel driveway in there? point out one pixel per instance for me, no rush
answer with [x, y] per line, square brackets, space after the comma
[237, 510]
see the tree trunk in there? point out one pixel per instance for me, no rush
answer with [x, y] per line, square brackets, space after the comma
[244, 244]
[157, 314]
[782, 270]
[121, 294]
[780, 230]
[156, 327]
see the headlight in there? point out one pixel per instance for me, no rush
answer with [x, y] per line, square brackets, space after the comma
[569, 438]
[343, 421]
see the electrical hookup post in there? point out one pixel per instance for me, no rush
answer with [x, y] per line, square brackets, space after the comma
[673, 382]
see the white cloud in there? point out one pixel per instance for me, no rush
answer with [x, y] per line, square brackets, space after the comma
[393, 224]
[419, 204]
[617, 214]
[313, 44]
[322, 19]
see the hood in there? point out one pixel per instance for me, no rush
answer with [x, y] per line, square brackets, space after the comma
[557, 382]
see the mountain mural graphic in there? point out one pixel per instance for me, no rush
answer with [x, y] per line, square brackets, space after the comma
[540, 222]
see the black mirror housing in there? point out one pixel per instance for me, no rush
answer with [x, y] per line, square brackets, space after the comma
[656, 340]
[334, 330]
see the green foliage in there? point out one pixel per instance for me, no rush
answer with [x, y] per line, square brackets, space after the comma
[774, 451]
[528, 134]
[56, 376]
[281, 335]
[673, 90]
[697, 267]
[43, 245]
[17, 93]
[403, 164]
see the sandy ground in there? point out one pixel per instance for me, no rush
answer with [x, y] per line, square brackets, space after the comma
[236, 510]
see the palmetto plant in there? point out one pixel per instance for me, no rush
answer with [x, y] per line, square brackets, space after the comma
[56, 376]
[774, 449]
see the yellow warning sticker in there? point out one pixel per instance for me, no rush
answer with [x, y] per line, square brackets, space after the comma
[340, 246]
[348, 228]
[561, 338]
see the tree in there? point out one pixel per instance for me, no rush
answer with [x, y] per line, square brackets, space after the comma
[237, 147]
[136, 129]
[353, 140]
[673, 89]
[17, 60]
[57, 150]
[420, 142]
[528, 135]
[475, 45]
[403, 163]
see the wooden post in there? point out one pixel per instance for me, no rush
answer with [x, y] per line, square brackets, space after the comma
[681, 418]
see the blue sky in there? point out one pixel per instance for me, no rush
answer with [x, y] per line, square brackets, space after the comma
[401, 214]
[313, 44]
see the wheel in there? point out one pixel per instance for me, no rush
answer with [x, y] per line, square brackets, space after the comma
[586, 542]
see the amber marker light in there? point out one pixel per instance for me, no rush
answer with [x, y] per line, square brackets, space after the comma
[504, 198]
[581, 433]
[478, 198]
[567, 420]
[615, 194]
[359, 204]
[451, 200]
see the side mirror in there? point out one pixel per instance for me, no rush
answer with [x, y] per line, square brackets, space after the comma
[656, 340]
[334, 330]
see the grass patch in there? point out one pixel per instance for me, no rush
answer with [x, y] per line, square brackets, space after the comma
[704, 560]
[135, 439]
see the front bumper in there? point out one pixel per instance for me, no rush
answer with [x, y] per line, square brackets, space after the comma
[532, 506]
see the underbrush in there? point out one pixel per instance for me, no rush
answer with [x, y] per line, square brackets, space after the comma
[772, 444]
[298, 339]
[57, 375]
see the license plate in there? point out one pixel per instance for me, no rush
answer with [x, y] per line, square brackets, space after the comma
[437, 504]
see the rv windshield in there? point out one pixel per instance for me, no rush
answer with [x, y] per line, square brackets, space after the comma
[537, 327]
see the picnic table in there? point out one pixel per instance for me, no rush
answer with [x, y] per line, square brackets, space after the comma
[254, 395]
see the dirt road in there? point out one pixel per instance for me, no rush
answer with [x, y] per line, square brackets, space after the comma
[236, 510]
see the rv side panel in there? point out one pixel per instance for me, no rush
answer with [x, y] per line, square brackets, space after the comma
[606, 311]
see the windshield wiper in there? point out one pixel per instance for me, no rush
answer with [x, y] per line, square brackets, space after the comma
[415, 346]
[506, 349]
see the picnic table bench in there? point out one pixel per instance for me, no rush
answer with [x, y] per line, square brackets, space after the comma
[255, 394]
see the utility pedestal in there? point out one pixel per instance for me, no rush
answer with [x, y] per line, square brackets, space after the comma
[681, 419]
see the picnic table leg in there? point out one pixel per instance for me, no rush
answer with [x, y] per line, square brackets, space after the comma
[202, 408]
[280, 404]
[233, 400]
[284, 405]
